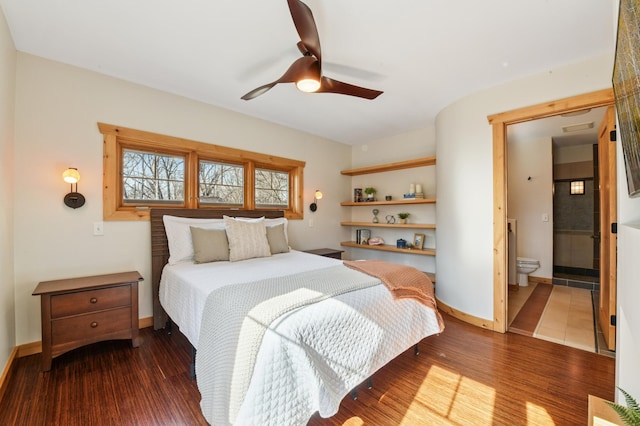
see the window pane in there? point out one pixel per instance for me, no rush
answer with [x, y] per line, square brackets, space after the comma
[272, 188]
[221, 183]
[149, 177]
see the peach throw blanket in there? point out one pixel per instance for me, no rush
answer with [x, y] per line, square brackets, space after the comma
[402, 281]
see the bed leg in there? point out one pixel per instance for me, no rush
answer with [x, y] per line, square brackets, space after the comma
[192, 364]
[169, 326]
[369, 383]
[354, 394]
[416, 351]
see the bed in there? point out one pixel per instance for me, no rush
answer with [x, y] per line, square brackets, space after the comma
[281, 336]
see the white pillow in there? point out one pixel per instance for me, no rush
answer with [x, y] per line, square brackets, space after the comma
[246, 239]
[179, 235]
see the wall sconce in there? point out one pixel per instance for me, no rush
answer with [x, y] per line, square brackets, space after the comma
[314, 206]
[73, 199]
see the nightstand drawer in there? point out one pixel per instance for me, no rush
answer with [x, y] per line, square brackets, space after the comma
[90, 326]
[90, 301]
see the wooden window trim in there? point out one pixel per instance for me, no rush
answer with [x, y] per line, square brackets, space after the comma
[116, 136]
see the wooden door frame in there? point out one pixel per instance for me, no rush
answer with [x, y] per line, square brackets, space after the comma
[500, 122]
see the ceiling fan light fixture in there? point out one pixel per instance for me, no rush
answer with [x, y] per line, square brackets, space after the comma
[308, 85]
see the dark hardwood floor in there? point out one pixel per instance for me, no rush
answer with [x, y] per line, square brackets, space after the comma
[465, 376]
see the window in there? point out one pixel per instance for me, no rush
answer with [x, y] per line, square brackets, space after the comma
[220, 184]
[271, 188]
[143, 170]
[150, 177]
[577, 187]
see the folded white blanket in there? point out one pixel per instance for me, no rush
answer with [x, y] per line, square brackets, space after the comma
[235, 320]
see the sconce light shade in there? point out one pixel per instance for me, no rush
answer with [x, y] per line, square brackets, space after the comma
[73, 199]
[71, 175]
[314, 206]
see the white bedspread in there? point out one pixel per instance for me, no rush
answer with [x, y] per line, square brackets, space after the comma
[184, 287]
[312, 357]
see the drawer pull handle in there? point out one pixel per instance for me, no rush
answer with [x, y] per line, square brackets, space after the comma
[93, 300]
[94, 324]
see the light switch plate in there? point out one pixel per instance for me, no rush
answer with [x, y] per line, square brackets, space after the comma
[98, 228]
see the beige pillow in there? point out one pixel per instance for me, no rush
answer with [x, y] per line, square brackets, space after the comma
[277, 239]
[246, 239]
[209, 245]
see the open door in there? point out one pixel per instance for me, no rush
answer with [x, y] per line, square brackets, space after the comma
[608, 217]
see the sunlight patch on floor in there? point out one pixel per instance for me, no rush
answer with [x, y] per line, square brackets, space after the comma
[474, 402]
[459, 400]
[537, 415]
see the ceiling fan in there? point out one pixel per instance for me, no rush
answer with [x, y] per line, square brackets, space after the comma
[306, 71]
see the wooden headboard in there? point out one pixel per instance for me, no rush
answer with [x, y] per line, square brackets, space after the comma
[160, 246]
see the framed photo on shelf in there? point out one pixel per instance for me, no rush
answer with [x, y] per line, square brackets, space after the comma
[418, 241]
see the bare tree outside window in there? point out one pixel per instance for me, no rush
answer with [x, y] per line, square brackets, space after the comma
[149, 177]
[272, 188]
[221, 183]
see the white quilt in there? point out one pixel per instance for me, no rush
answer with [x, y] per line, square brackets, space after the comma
[312, 357]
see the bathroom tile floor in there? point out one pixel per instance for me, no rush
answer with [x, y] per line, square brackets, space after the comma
[567, 318]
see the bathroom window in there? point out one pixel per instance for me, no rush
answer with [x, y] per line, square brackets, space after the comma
[577, 187]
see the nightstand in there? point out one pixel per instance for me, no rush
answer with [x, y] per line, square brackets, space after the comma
[327, 252]
[84, 310]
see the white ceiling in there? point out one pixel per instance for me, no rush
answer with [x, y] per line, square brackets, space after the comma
[424, 54]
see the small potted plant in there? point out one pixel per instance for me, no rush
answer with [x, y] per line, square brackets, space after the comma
[370, 191]
[403, 217]
[630, 414]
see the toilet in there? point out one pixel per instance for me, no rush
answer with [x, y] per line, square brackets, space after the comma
[525, 266]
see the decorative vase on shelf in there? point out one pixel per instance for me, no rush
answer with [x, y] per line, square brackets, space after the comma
[403, 217]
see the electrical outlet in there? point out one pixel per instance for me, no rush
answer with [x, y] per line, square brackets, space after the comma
[310, 223]
[98, 228]
[545, 217]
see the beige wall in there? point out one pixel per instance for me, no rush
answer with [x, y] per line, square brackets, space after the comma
[57, 108]
[530, 186]
[573, 154]
[7, 95]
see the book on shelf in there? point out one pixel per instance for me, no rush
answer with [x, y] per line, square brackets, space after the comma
[414, 196]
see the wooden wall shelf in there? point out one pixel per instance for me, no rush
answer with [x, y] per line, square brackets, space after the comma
[391, 225]
[387, 247]
[389, 167]
[389, 203]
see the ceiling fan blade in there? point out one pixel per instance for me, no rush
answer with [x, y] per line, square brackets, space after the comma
[298, 69]
[258, 91]
[306, 27]
[328, 85]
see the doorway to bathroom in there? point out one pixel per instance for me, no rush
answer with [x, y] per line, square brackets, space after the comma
[500, 124]
[552, 184]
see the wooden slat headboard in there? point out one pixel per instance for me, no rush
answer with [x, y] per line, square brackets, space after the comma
[160, 245]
